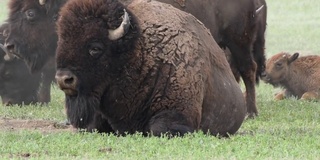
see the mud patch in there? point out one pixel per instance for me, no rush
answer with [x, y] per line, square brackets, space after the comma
[46, 126]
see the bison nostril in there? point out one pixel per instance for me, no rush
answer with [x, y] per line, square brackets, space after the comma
[69, 80]
[9, 46]
[66, 79]
[263, 74]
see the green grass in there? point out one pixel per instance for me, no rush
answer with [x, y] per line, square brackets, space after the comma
[3, 10]
[288, 129]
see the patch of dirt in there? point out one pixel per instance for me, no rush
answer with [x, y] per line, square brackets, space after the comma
[46, 126]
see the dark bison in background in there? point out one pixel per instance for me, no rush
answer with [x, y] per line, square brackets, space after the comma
[238, 25]
[159, 71]
[32, 37]
[17, 85]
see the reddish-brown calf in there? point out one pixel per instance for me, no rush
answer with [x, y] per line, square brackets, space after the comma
[299, 76]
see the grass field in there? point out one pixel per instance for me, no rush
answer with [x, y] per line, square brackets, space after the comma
[288, 129]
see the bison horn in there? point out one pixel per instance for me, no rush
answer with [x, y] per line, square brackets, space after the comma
[122, 29]
[42, 2]
[259, 9]
[7, 56]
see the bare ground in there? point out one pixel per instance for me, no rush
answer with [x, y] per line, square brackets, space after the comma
[46, 126]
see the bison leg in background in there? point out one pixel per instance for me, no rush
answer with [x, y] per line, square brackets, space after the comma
[45, 89]
[247, 68]
[258, 53]
[232, 64]
[171, 122]
[47, 77]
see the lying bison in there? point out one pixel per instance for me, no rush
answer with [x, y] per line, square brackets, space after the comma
[157, 71]
[300, 77]
[17, 84]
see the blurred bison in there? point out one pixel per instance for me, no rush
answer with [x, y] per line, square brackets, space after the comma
[300, 77]
[32, 37]
[17, 84]
[238, 25]
[160, 71]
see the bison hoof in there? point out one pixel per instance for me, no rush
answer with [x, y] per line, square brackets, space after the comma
[251, 115]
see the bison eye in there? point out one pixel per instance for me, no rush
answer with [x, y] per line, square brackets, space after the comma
[278, 65]
[31, 14]
[96, 49]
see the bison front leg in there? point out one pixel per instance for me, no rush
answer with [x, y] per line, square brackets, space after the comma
[100, 125]
[169, 122]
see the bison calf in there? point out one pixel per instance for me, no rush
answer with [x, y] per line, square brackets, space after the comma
[156, 70]
[300, 77]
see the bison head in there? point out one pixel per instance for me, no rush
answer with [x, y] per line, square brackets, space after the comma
[277, 68]
[17, 85]
[89, 56]
[32, 35]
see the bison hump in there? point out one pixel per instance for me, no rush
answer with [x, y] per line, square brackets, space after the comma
[168, 28]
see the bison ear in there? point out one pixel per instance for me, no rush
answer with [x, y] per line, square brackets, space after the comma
[293, 57]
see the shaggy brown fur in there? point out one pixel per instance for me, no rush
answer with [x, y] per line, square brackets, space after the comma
[166, 75]
[300, 77]
[235, 25]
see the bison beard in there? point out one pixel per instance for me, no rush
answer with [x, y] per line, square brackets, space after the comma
[81, 110]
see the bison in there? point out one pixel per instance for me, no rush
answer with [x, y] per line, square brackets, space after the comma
[32, 38]
[17, 84]
[157, 70]
[32, 34]
[238, 25]
[299, 76]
